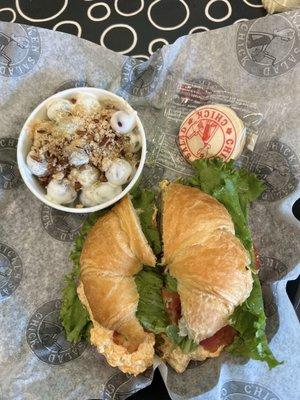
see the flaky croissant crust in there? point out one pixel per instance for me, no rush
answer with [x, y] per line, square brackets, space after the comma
[209, 262]
[114, 251]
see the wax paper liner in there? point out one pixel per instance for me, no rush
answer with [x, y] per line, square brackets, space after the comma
[251, 66]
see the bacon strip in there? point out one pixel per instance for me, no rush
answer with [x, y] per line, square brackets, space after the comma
[223, 337]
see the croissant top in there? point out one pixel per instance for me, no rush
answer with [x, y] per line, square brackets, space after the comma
[209, 262]
[115, 250]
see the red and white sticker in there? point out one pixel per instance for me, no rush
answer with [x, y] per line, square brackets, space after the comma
[211, 131]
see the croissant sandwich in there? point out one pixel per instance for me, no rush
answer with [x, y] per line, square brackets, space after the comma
[181, 283]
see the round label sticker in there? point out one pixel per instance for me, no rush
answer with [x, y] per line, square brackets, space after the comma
[239, 390]
[61, 225]
[268, 49]
[140, 78]
[207, 132]
[278, 166]
[9, 173]
[46, 336]
[11, 271]
[20, 49]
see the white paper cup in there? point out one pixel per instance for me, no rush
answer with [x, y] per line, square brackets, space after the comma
[40, 113]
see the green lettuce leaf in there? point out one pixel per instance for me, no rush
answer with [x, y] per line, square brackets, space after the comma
[186, 344]
[236, 189]
[151, 311]
[250, 321]
[170, 282]
[143, 201]
[74, 316]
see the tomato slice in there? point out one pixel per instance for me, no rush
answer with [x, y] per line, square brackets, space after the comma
[172, 305]
[223, 337]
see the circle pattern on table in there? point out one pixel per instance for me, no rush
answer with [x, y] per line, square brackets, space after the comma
[169, 28]
[76, 24]
[253, 3]
[58, 7]
[130, 13]
[10, 11]
[214, 2]
[142, 57]
[198, 29]
[136, 27]
[128, 27]
[95, 6]
[153, 42]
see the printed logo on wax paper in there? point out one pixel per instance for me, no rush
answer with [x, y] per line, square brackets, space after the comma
[20, 49]
[11, 271]
[205, 132]
[9, 173]
[271, 269]
[140, 78]
[46, 336]
[268, 49]
[239, 390]
[61, 225]
[270, 305]
[191, 95]
[119, 386]
[278, 166]
[71, 83]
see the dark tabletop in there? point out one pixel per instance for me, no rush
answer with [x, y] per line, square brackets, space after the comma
[137, 28]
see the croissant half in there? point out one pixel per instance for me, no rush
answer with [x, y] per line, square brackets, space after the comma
[114, 251]
[209, 262]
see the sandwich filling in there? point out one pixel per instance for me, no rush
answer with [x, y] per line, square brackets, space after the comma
[159, 307]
